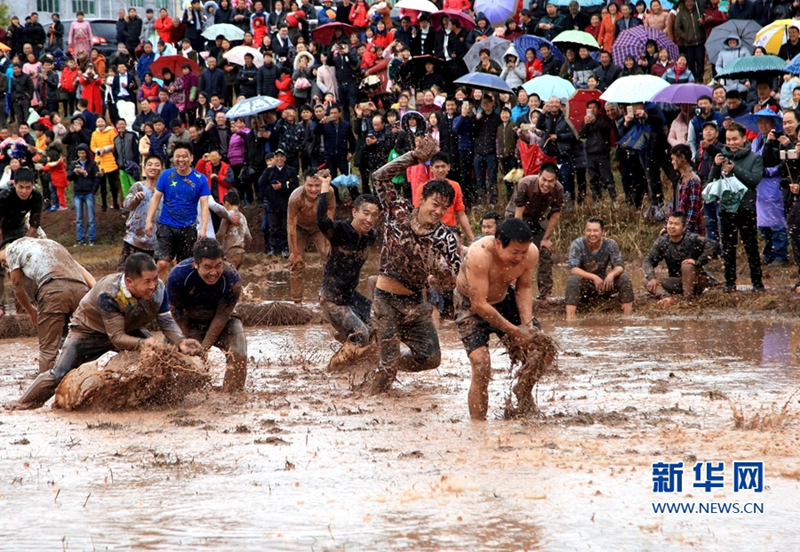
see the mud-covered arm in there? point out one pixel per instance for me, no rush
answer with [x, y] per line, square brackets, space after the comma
[326, 225]
[655, 256]
[382, 178]
[167, 324]
[443, 275]
[114, 323]
[704, 250]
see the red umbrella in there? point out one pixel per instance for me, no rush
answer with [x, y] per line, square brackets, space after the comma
[465, 19]
[324, 33]
[576, 105]
[174, 64]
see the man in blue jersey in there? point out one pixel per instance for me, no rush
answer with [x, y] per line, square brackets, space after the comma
[181, 188]
[203, 291]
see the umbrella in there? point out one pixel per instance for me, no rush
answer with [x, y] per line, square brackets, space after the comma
[793, 67]
[252, 106]
[631, 42]
[751, 121]
[497, 49]
[682, 93]
[485, 81]
[236, 55]
[324, 33]
[773, 36]
[174, 64]
[231, 32]
[525, 42]
[754, 66]
[575, 40]
[728, 191]
[548, 86]
[581, 3]
[496, 11]
[634, 89]
[745, 29]
[464, 18]
[419, 5]
[414, 69]
[576, 105]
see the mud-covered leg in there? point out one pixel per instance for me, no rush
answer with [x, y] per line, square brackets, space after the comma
[479, 387]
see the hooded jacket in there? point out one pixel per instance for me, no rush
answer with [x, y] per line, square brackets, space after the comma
[728, 55]
[748, 167]
[514, 77]
[84, 184]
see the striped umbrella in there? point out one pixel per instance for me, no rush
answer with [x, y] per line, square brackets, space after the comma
[631, 42]
[773, 36]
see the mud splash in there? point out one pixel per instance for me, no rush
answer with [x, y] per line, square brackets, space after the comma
[304, 462]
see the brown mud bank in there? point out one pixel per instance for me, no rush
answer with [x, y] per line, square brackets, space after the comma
[304, 461]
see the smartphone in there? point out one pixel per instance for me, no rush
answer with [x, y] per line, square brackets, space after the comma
[590, 112]
[630, 110]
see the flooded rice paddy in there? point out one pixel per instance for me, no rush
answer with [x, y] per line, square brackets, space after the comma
[305, 461]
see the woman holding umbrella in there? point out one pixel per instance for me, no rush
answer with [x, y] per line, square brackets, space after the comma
[568, 68]
[630, 68]
[488, 65]
[514, 72]
[533, 65]
[649, 57]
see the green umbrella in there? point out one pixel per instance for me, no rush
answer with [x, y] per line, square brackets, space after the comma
[754, 66]
[575, 40]
[728, 191]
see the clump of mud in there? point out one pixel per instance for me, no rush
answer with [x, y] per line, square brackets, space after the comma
[275, 313]
[157, 375]
[528, 365]
[764, 419]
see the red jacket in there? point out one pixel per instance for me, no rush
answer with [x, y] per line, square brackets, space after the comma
[164, 29]
[383, 40]
[285, 95]
[69, 79]
[712, 17]
[457, 5]
[358, 15]
[58, 174]
[206, 168]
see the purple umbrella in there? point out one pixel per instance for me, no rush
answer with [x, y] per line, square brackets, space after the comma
[496, 11]
[631, 42]
[682, 93]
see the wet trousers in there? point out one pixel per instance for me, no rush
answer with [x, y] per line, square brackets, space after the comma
[544, 270]
[232, 342]
[580, 289]
[351, 321]
[296, 269]
[56, 301]
[693, 281]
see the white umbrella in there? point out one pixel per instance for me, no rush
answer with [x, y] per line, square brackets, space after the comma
[236, 55]
[231, 32]
[634, 89]
[419, 5]
[252, 106]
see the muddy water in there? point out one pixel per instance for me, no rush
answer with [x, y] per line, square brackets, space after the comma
[305, 462]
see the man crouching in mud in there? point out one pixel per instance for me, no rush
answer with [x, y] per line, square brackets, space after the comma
[111, 317]
[418, 251]
[203, 292]
[486, 303]
[344, 307]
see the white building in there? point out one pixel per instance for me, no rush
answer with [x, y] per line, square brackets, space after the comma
[92, 9]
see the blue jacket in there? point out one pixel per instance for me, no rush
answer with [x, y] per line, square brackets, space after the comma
[168, 112]
[158, 145]
[143, 64]
[338, 142]
[697, 124]
[462, 127]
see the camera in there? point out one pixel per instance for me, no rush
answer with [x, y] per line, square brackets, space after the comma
[698, 111]
[788, 154]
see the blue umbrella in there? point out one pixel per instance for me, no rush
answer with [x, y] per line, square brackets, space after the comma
[496, 11]
[252, 106]
[485, 81]
[751, 121]
[525, 42]
[548, 86]
[793, 67]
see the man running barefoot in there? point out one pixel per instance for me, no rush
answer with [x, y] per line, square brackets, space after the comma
[345, 308]
[486, 303]
[418, 252]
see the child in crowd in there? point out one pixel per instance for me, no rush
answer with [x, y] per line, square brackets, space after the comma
[234, 239]
[57, 169]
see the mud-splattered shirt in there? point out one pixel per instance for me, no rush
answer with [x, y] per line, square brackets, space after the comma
[135, 234]
[349, 251]
[13, 211]
[673, 254]
[597, 263]
[110, 310]
[42, 261]
[193, 301]
[411, 252]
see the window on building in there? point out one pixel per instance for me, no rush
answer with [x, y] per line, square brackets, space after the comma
[85, 6]
[136, 3]
[48, 6]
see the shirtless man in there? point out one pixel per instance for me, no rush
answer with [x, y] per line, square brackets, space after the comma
[486, 303]
[302, 226]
